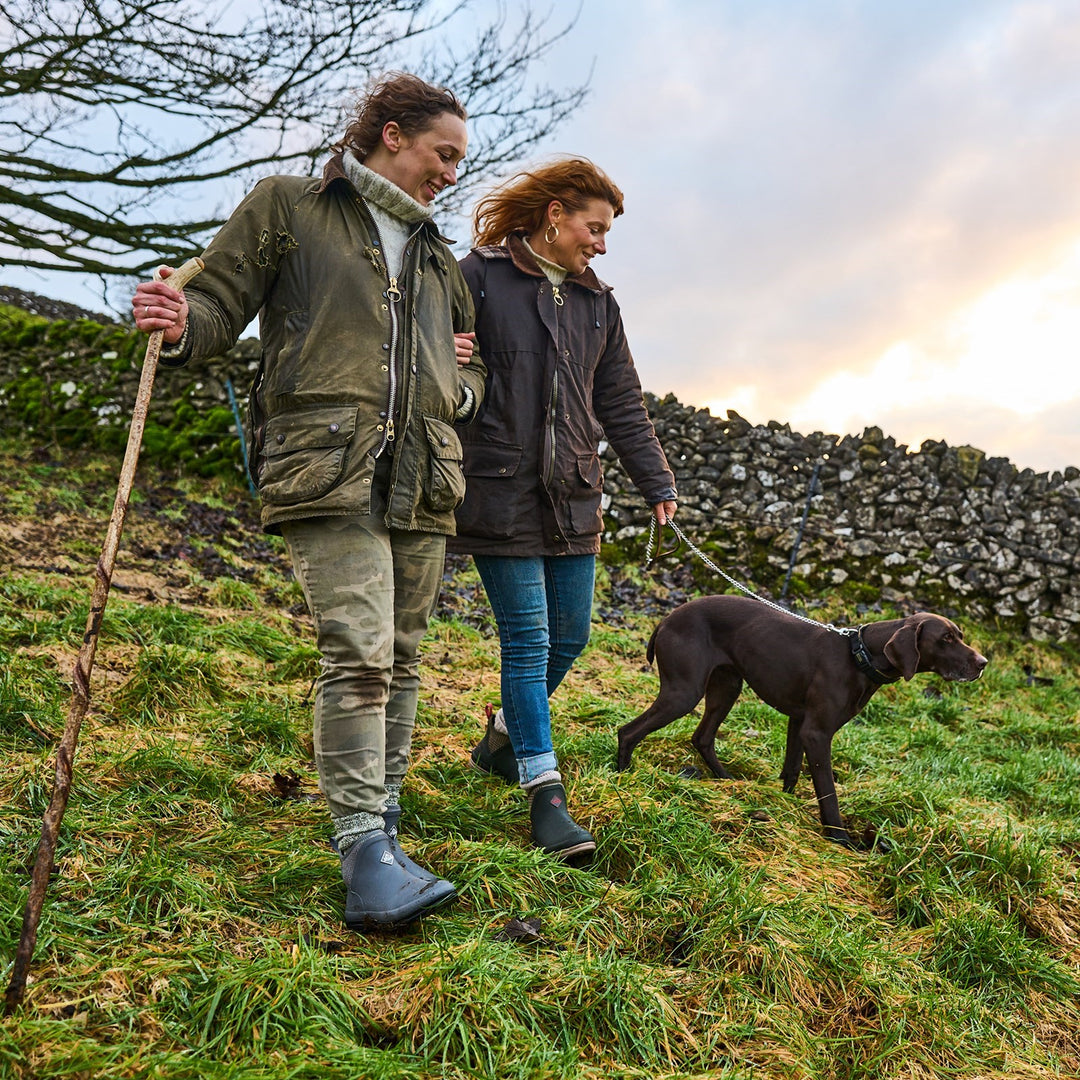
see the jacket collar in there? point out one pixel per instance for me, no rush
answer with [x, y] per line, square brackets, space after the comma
[522, 258]
[333, 170]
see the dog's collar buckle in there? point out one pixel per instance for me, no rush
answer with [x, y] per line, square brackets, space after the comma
[864, 662]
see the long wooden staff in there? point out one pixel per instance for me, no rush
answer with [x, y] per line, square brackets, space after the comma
[80, 692]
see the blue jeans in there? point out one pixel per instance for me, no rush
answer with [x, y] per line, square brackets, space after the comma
[543, 608]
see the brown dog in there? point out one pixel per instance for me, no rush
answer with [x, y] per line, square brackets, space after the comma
[816, 677]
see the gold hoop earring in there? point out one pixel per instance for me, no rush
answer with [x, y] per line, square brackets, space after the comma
[551, 239]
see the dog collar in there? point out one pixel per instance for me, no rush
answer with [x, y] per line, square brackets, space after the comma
[865, 663]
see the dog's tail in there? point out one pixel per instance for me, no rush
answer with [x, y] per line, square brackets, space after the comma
[650, 649]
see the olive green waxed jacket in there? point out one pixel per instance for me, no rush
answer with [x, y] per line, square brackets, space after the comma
[351, 367]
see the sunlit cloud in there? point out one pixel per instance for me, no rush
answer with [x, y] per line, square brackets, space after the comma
[1008, 356]
[745, 400]
[869, 220]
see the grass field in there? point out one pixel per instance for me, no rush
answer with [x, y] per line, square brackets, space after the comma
[193, 930]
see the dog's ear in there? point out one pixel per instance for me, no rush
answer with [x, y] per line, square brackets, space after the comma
[902, 649]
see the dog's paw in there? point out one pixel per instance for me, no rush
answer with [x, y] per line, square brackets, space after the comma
[870, 841]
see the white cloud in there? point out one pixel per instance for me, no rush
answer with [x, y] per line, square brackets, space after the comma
[991, 374]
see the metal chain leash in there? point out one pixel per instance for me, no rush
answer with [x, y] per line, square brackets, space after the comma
[843, 631]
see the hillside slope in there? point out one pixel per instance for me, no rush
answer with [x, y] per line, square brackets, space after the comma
[193, 929]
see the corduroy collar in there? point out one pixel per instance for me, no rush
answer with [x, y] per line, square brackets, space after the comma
[525, 261]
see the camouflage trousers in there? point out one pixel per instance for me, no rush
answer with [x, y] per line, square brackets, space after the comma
[371, 592]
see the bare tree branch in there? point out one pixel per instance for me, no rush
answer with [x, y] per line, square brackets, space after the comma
[117, 116]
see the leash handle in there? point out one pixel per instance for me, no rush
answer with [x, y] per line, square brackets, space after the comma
[845, 631]
[649, 557]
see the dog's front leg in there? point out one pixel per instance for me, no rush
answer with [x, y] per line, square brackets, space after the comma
[817, 743]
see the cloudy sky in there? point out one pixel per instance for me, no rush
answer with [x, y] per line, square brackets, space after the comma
[843, 212]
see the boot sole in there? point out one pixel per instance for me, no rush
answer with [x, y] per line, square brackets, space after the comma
[367, 924]
[577, 856]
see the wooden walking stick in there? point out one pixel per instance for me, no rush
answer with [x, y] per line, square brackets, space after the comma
[80, 691]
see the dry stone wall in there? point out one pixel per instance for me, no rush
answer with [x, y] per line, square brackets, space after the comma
[68, 379]
[943, 527]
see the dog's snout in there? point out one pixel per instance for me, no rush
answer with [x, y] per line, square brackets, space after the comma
[965, 666]
[974, 667]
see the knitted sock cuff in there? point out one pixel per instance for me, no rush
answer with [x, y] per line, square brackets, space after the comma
[393, 793]
[347, 830]
[537, 782]
[497, 735]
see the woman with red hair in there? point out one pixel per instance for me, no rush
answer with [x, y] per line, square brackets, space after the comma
[560, 376]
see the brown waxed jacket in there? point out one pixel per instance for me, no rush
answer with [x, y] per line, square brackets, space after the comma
[560, 378]
[345, 367]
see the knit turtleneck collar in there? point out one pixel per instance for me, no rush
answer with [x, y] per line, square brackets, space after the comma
[552, 270]
[544, 265]
[384, 193]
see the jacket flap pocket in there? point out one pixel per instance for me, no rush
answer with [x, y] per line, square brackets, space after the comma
[442, 439]
[590, 470]
[492, 459]
[310, 429]
[444, 481]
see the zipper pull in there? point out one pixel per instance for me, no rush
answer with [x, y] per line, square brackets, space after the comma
[394, 293]
[390, 430]
[556, 295]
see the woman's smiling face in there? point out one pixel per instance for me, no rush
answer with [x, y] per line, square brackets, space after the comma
[425, 163]
[582, 234]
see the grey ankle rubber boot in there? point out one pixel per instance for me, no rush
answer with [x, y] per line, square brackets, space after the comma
[554, 831]
[494, 754]
[381, 893]
[392, 816]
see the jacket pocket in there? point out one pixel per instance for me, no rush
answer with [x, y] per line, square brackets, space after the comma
[491, 492]
[444, 483]
[497, 460]
[303, 453]
[584, 501]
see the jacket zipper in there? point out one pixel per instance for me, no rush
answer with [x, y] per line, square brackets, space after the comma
[549, 470]
[393, 294]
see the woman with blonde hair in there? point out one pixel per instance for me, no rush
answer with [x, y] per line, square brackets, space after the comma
[560, 376]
